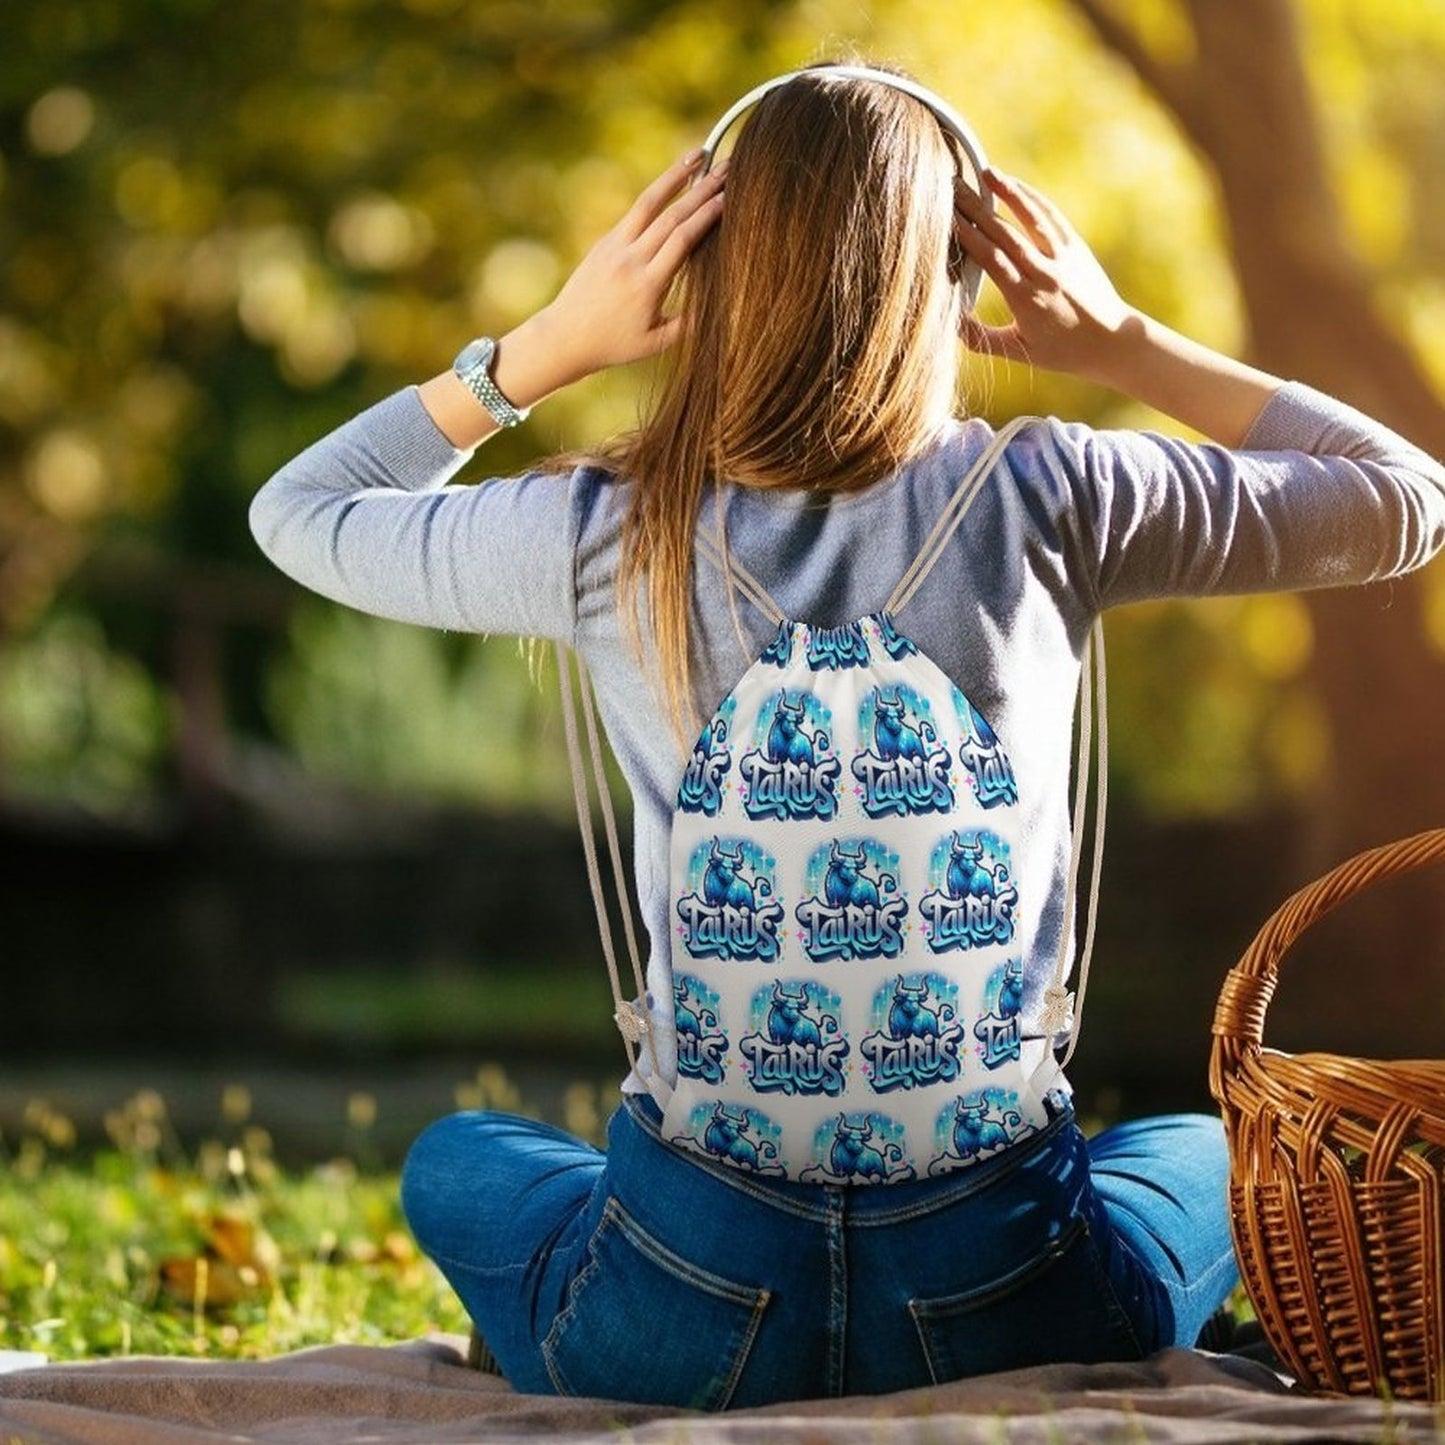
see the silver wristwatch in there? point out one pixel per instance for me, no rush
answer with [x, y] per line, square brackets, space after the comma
[474, 367]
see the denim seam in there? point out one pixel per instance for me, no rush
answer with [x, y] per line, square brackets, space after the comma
[754, 1299]
[674, 1264]
[446, 1263]
[1112, 1295]
[837, 1293]
[745, 1349]
[926, 1311]
[1205, 1278]
[965, 1301]
[549, 1343]
[923, 1342]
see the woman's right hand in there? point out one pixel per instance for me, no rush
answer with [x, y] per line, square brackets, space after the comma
[610, 309]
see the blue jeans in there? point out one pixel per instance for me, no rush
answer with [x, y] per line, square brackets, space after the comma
[647, 1274]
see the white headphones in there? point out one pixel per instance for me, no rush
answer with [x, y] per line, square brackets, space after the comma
[971, 278]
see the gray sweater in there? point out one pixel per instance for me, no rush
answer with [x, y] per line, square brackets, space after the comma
[1071, 522]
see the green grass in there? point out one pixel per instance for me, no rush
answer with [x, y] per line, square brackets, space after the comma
[216, 1251]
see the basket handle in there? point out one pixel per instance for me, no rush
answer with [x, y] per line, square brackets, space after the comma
[1249, 985]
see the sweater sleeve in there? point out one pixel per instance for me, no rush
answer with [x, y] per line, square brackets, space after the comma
[1319, 496]
[366, 516]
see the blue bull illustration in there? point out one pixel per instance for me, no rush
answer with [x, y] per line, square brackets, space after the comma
[787, 742]
[893, 736]
[966, 876]
[974, 1132]
[1011, 990]
[787, 1021]
[721, 885]
[690, 1022]
[845, 882]
[853, 1156]
[907, 1016]
[726, 1137]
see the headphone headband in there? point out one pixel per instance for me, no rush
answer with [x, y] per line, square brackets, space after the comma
[951, 121]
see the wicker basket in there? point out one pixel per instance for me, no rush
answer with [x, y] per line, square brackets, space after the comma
[1337, 1167]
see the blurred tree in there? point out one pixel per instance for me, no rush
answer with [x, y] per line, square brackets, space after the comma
[1284, 146]
[226, 228]
[1233, 74]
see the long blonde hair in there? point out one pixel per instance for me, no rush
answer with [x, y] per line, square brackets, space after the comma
[820, 341]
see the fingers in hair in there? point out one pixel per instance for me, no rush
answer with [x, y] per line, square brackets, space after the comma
[654, 199]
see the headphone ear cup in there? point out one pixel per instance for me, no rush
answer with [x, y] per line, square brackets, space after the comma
[969, 274]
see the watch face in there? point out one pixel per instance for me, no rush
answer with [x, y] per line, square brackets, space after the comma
[471, 354]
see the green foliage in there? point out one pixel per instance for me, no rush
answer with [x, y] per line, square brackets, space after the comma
[1239, 727]
[383, 705]
[227, 228]
[560, 1014]
[143, 1249]
[83, 721]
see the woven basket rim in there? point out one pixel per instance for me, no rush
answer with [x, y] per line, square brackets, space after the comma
[1249, 986]
[1337, 1171]
[1324, 1056]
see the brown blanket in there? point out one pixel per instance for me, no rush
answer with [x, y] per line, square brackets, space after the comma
[422, 1391]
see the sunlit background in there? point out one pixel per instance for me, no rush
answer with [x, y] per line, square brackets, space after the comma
[241, 825]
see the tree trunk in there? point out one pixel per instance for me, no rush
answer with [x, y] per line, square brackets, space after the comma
[1311, 317]
[1245, 103]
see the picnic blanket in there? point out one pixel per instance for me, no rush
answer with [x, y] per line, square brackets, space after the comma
[422, 1391]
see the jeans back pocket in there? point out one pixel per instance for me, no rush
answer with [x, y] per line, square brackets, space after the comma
[1057, 1306]
[641, 1323]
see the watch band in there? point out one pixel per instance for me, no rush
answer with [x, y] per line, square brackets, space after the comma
[473, 367]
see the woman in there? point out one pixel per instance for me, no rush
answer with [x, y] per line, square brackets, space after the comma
[806, 426]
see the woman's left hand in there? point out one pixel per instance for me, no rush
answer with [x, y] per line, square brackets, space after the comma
[1067, 316]
[610, 310]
